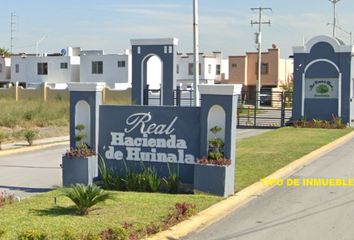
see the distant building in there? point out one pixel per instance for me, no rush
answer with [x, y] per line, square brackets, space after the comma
[5, 70]
[51, 68]
[95, 66]
[212, 68]
[275, 71]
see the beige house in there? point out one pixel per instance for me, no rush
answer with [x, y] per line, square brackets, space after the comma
[275, 71]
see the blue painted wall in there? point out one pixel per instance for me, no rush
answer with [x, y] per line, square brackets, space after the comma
[139, 71]
[322, 108]
[94, 99]
[113, 119]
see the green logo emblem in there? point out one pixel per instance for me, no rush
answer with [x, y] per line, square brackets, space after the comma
[322, 89]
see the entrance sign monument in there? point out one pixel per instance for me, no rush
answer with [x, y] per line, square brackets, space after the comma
[160, 136]
[323, 80]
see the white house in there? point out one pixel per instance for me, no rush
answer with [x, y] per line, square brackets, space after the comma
[113, 69]
[5, 70]
[50, 68]
[212, 68]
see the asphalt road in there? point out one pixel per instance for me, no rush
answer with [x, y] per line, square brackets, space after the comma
[296, 213]
[39, 171]
[33, 172]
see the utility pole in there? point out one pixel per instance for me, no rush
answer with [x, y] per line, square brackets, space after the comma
[196, 51]
[12, 27]
[260, 22]
[334, 16]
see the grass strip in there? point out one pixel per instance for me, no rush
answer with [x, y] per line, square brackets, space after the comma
[260, 156]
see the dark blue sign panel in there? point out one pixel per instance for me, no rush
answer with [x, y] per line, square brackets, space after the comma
[152, 135]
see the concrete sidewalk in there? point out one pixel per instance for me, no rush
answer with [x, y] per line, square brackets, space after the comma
[44, 141]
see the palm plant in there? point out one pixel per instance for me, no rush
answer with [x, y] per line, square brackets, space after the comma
[4, 52]
[86, 196]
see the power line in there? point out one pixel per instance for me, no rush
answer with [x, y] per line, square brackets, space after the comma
[260, 22]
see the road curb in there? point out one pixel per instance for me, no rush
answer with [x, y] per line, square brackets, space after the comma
[31, 148]
[223, 208]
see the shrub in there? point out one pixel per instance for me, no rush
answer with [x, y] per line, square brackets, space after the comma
[172, 182]
[218, 162]
[215, 144]
[3, 137]
[30, 135]
[335, 123]
[80, 136]
[80, 152]
[86, 196]
[32, 235]
[153, 181]
[118, 233]
[152, 228]
[181, 212]
[29, 115]
[147, 180]
[6, 198]
[108, 180]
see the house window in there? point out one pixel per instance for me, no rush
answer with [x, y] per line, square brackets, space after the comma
[209, 68]
[177, 68]
[218, 69]
[234, 65]
[0, 68]
[264, 68]
[63, 65]
[17, 68]
[191, 69]
[42, 68]
[97, 67]
[121, 64]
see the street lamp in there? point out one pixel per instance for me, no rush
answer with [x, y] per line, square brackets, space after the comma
[196, 51]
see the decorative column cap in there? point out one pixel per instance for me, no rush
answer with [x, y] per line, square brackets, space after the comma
[154, 41]
[86, 87]
[220, 89]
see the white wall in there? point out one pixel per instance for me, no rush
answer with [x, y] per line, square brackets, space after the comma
[213, 59]
[286, 69]
[28, 69]
[225, 68]
[111, 72]
[5, 73]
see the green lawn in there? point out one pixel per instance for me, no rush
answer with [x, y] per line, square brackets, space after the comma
[259, 156]
[140, 209]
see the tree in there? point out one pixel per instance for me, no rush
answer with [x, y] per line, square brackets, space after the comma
[4, 52]
[288, 85]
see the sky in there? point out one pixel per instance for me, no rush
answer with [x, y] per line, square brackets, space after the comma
[224, 24]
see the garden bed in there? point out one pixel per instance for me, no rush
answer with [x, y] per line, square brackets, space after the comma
[141, 210]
